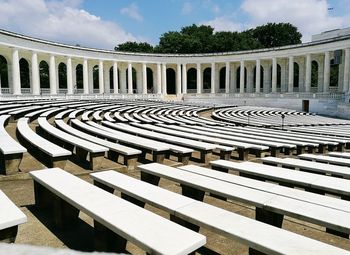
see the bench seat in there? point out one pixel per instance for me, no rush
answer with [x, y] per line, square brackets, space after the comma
[10, 217]
[326, 159]
[257, 235]
[115, 220]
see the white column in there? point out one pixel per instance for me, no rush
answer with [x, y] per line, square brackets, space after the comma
[106, 80]
[213, 79]
[233, 84]
[308, 73]
[346, 70]
[130, 85]
[274, 75]
[164, 85]
[86, 76]
[250, 78]
[100, 77]
[53, 80]
[290, 74]
[123, 85]
[184, 79]
[69, 76]
[16, 76]
[35, 74]
[227, 78]
[257, 76]
[199, 78]
[144, 78]
[115, 78]
[159, 80]
[326, 75]
[178, 79]
[241, 78]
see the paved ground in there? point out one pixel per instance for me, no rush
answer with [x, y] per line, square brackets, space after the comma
[40, 230]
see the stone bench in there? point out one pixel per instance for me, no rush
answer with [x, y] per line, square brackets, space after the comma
[269, 207]
[11, 152]
[83, 148]
[48, 152]
[194, 214]
[130, 155]
[10, 217]
[326, 159]
[116, 221]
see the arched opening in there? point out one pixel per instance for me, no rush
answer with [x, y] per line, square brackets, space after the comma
[334, 74]
[261, 77]
[314, 74]
[192, 80]
[4, 81]
[95, 78]
[79, 77]
[296, 78]
[278, 80]
[170, 81]
[24, 74]
[222, 80]
[207, 80]
[149, 80]
[134, 81]
[238, 78]
[62, 76]
[44, 75]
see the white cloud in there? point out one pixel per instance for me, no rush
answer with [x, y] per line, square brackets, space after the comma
[61, 21]
[132, 11]
[216, 9]
[310, 16]
[224, 24]
[186, 8]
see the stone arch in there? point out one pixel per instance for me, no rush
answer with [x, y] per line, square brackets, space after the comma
[314, 74]
[24, 73]
[79, 77]
[296, 76]
[4, 81]
[62, 76]
[261, 77]
[44, 75]
[222, 78]
[95, 77]
[279, 76]
[192, 80]
[171, 81]
[206, 79]
[150, 85]
[334, 74]
[238, 78]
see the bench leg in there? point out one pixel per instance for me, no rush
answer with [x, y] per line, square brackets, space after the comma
[205, 157]
[226, 155]
[184, 158]
[192, 193]
[58, 162]
[243, 154]
[8, 235]
[288, 151]
[132, 200]
[158, 157]
[341, 147]
[103, 186]
[130, 162]
[150, 178]
[337, 233]
[107, 241]
[322, 148]
[300, 150]
[112, 155]
[274, 151]
[9, 164]
[65, 215]
[81, 153]
[43, 198]
[311, 149]
[96, 160]
[268, 217]
[184, 223]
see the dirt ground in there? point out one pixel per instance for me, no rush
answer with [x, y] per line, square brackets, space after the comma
[40, 230]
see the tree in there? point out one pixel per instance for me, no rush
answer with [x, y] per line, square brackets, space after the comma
[134, 47]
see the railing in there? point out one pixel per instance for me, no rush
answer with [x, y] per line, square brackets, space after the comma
[206, 90]
[191, 91]
[26, 90]
[45, 91]
[63, 91]
[96, 91]
[5, 91]
[79, 91]
[221, 90]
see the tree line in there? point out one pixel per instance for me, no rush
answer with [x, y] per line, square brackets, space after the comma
[203, 39]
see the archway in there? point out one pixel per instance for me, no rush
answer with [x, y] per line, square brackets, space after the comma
[79, 77]
[222, 80]
[134, 81]
[192, 80]
[261, 77]
[238, 78]
[170, 81]
[111, 79]
[24, 74]
[4, 82]
[207, 80]
[62, 76]
[44, 75]
[278, 80]
[334, 74]
[149, 80]
[95, 78]
[296, 78]
[314, 74]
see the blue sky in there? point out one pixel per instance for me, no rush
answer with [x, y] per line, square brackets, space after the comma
[106, 23]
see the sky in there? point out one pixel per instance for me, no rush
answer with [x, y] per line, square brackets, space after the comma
[106, 23]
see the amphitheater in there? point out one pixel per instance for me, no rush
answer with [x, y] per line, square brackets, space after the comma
[229, 153]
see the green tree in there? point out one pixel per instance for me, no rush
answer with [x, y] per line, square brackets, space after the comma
[134, 47]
